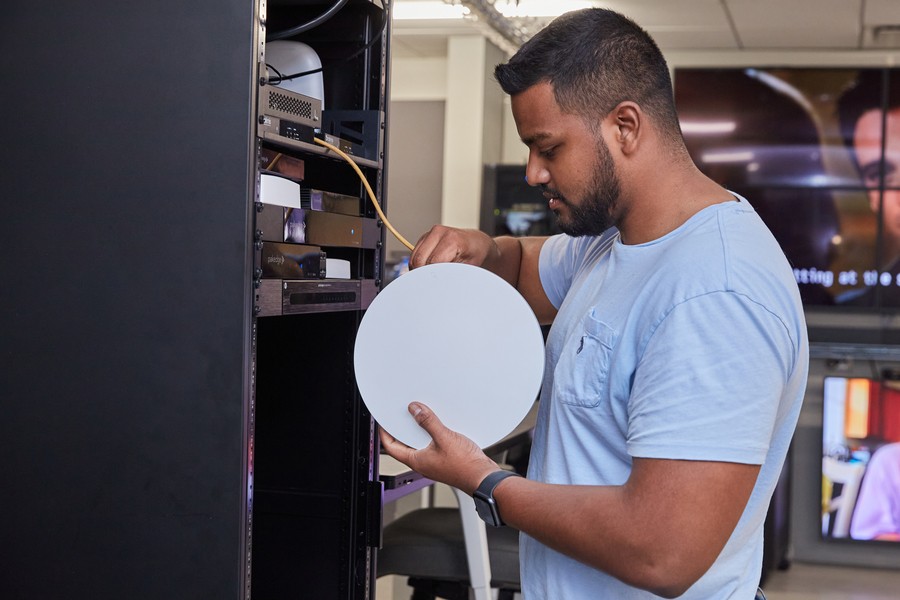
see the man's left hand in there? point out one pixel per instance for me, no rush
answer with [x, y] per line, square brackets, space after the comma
[450, 458]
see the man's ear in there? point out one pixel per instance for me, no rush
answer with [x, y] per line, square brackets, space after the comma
[628, 126]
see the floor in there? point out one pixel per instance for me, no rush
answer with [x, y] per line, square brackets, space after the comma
[822, 582]
[799, 582]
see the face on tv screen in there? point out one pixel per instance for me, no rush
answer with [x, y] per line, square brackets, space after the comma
[804, 146]
[861, 459]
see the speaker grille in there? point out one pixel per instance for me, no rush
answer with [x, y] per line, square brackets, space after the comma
[290, 105]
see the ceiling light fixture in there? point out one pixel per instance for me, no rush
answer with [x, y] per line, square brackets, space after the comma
[708, 127]
[428, 10]
[526, 9]
[485, 11]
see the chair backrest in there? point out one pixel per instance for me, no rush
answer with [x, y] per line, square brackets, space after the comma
[849, 476]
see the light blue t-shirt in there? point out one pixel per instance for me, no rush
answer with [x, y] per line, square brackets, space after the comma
[692, 346]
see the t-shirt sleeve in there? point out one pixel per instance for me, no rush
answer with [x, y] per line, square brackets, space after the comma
[555, 267]
[709, 382]
[562, 256]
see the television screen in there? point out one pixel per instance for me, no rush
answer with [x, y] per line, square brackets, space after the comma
[861, 458]
[804, 146]
[509, 206]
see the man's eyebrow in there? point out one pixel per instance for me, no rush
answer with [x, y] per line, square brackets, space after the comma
[537, 137]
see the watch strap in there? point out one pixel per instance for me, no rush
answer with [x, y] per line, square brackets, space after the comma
[487, 485]
[485, 504]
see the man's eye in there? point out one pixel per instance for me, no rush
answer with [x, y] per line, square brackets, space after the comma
[871, 174]
[548, 153]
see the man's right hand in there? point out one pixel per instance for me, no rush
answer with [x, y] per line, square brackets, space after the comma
[447, 244]
[515, 259]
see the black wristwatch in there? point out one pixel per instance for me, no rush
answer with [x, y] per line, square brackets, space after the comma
[485, 505]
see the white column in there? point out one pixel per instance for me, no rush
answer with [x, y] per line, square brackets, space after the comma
[473, 125]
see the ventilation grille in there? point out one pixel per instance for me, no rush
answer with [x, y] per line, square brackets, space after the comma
[290, 105]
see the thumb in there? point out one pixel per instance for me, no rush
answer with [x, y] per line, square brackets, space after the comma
[426, 419]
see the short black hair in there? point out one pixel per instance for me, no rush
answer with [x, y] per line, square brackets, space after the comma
[595, 58]
[865, 94]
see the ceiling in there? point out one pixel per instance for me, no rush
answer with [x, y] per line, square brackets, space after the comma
[847, 25]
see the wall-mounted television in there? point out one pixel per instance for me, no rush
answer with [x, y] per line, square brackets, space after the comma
[845, 472]
[806, 147]
[861, 457]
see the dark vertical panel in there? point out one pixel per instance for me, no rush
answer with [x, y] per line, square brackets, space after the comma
[126, 178]
[304, 456]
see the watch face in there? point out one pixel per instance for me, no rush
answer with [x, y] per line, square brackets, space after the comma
[482, 509]
[487, 510]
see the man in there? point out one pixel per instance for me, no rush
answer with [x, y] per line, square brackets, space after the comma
[862, 117]
[677, 359]
[877, 512]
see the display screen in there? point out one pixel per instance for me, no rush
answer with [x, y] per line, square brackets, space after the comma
[861, 459]
[804, 146]
[515, 208]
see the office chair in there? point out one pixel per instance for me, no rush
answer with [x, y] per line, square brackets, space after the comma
[448, 552]
[849, 475]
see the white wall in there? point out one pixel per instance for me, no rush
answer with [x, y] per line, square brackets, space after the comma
[415, 167]
[477, 118]
[419, 79]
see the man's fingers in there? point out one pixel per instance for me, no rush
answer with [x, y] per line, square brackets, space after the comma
[398, 450]
[392, 445]
[422, 254]
[440, 244]
[386, 438]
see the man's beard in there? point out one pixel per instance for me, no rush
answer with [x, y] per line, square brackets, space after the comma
[594, 214]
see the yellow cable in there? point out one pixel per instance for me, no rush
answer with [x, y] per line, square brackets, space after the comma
[274, 161]
[362, 178]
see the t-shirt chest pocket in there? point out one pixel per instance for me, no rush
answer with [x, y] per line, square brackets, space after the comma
[582, 372]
